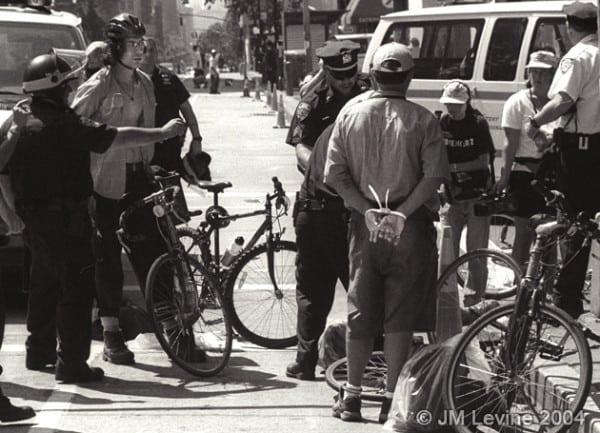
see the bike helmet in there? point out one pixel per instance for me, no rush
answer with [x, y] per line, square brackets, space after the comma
[124, 26]
[46, 72]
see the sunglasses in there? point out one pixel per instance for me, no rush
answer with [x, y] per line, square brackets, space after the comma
[342, 75]
[136, 43]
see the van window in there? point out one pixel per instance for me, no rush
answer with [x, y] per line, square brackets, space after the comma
[550, 34]
[504, 49]
[441, 49]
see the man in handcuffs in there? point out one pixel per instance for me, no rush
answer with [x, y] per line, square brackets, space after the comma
[392, 250]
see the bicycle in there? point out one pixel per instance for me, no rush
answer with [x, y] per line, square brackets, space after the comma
[260, 285]
[189, 315]
[509, 365]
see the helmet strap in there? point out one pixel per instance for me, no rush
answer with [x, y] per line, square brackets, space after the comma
[125, 66]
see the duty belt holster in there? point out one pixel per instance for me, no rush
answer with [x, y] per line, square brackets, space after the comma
[578, 152]
[322, 204]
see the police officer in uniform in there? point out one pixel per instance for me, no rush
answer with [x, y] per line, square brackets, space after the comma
[171, 98]
[50, 172]
[320, 216]
[574, 98]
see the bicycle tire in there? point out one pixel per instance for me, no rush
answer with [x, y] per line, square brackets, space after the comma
[502, 283]
[374, 376]
[207, 324]
[256, 312]
[537, 383]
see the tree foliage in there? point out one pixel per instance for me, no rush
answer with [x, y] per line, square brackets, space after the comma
[224, 37]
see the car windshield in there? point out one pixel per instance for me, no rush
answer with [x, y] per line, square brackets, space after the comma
[21, 42]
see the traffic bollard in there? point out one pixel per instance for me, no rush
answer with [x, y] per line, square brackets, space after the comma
[280, 113]
[274, 101]
[449, 321]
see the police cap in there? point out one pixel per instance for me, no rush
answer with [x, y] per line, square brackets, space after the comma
[339, 55]
[581, 10]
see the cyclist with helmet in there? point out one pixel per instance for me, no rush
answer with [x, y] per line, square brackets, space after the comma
[48, 149]
[120, 94]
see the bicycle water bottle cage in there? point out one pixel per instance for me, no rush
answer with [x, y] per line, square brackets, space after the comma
[217, 217]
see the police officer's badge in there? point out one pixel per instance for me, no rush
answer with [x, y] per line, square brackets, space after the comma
[303, 111]
[565, 65]
[347, 58]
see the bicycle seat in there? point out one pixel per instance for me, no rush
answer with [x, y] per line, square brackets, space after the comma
[216, 187]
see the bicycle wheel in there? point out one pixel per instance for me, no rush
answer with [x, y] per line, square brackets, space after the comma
[259, 313]
[190, 320]
[544, 392]
[486, 271]
[502, 233]
[374, 377]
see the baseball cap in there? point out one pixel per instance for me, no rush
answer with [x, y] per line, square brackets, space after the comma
[392, 57]
[580, 10]
[455, 92]
[542, 60]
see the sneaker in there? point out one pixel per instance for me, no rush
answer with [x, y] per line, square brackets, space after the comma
[472, 313]
[38, 362]
[297, 370]
[347, 409]
[12, 413]
[81, 374]
[115, 350]
[385, 409]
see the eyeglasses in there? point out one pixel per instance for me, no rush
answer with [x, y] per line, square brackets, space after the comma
[136, 44]
[343, 75]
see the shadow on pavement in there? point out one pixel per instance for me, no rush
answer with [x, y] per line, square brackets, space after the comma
[27, 428]
[28, 393]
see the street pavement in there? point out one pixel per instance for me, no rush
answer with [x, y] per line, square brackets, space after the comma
[252, 394]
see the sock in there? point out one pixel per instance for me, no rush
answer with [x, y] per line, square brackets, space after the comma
[389, 395]
[110, 324]
[352, 391]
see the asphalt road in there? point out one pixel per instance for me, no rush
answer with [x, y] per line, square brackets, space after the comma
[252, 394]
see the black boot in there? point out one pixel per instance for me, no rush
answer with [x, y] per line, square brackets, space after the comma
[78, 374]
[11, 413]
[115, 350]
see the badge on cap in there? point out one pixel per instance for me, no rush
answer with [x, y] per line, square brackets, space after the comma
[347, 58]
[565, 65]
[303, 111]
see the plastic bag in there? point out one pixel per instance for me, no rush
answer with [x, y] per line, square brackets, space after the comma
[420, 388]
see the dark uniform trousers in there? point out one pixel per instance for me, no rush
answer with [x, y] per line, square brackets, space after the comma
[580, 181]
[322, 259]
[62, 281]
[144, 242]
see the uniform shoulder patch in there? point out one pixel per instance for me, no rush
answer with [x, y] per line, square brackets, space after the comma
[303, 110]
[565, 65]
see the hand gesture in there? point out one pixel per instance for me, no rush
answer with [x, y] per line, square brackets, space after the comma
[174, 127]
[531, 130]
[21, 113]
[500, 185]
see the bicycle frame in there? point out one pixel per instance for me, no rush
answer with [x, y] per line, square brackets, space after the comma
[208, 228]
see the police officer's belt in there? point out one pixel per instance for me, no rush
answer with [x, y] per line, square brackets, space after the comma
[320, 205]
[53, 204]
[577, 141]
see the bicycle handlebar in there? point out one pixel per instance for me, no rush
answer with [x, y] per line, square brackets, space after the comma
[279, 196]
[167, 193]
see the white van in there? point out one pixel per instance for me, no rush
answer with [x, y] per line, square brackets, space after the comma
[486, 45]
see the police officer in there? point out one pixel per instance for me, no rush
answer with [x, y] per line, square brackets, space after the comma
[574, 99]
[171, 98]
[320, 216]
[50, 173]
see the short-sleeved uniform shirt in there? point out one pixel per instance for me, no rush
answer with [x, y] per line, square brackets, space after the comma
[170, 93]
[577, 76]
[316, 111]
[52, 156]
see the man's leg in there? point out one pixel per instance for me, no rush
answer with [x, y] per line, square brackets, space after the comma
[568, 290]
[109, 279]
[316, 279]
[478, 235]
